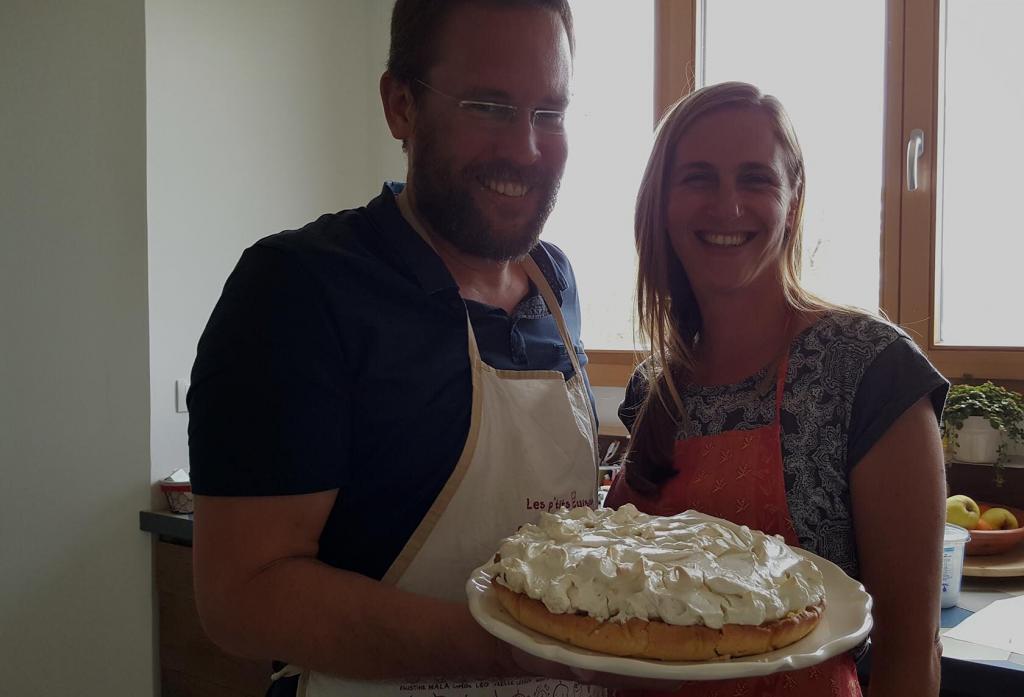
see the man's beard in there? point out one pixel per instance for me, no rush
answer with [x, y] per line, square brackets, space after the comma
[444, 199]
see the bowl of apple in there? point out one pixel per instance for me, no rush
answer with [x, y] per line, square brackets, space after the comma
[994, 528]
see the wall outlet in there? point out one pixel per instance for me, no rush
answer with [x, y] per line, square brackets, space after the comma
[180, 391]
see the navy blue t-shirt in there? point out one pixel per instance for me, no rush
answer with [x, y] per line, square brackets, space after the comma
[336, 358]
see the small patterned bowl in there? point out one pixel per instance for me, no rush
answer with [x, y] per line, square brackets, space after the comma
[179, 496]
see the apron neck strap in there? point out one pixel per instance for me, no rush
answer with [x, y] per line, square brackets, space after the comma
[780, 384]
[531, 269]
[788, 333]
[414, 222]
[535, 274]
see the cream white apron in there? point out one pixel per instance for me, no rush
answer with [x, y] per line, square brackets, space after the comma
[531, 447]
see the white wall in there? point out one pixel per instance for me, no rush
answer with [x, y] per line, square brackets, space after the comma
[262, 115]
[75, 599]
[387, 152]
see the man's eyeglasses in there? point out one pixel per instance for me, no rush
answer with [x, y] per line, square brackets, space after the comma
[544, 120]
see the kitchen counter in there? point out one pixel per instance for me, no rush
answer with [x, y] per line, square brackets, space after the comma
[971, 669]
[170, 527]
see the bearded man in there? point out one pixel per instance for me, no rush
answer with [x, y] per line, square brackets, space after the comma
[378, 395]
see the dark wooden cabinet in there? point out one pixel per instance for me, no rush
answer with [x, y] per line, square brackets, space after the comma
[979, 482]
[190, 664]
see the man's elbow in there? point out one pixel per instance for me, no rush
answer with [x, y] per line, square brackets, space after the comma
[225, 621]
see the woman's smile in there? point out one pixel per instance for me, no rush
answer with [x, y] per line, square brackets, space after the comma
[724, 239]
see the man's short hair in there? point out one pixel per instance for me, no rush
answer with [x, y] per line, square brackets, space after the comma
[416, 25]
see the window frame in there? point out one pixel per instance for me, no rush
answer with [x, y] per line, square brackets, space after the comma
[916, 313]
[675, 60]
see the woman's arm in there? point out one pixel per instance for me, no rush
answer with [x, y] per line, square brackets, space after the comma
[898, 495]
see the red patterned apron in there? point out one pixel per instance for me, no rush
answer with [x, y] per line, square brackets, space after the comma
[738, 476]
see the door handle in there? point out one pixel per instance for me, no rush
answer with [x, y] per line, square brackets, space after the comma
[915, 149]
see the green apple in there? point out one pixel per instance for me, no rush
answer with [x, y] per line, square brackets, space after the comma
[963, 511]
[1000, 519]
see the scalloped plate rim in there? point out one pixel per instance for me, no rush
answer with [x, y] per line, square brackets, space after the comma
[844, 595]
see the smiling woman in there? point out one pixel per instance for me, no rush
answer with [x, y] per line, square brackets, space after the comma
[765, 405]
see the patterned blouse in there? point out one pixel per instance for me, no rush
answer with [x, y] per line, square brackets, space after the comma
[850, 376]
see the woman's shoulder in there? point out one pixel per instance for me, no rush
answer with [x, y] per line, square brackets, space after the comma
[849, 330]
[840, 347]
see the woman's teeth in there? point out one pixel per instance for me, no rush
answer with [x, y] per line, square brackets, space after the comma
[505, 188]
[731, 239]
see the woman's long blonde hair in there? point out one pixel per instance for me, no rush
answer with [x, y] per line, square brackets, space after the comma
[667, 311]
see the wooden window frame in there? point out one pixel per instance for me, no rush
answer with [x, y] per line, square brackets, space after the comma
[920, 34]
[675, 60]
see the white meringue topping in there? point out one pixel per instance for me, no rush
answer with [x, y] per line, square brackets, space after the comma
[684, 569]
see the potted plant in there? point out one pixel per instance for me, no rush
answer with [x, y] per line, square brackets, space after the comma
[979, 421]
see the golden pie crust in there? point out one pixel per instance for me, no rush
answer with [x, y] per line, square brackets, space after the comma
[638, 638]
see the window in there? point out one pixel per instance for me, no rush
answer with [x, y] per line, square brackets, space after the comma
[828, 70]
[979, 244]
[960, 254]
[928, 235]
[610, 132]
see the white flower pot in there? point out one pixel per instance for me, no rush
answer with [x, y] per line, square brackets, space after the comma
[977, 441]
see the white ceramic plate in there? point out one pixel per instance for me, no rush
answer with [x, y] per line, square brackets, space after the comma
[845, 624]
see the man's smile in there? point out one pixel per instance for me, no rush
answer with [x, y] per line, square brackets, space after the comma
[505, 187]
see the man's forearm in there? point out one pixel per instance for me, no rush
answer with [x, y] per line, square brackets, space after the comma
[338, 622]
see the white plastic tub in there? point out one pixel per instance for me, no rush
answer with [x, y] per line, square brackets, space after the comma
[953, 543]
